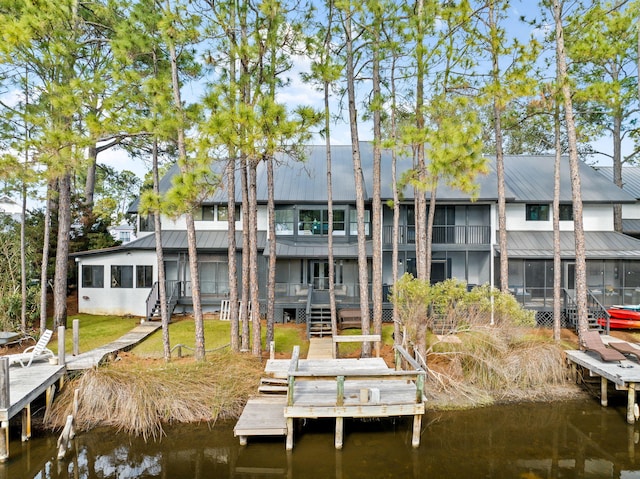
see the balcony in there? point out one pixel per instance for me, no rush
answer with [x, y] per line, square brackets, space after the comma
[453, 234]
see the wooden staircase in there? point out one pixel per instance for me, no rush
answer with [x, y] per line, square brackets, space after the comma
[319, 321]
[273, 386]
[154, 303]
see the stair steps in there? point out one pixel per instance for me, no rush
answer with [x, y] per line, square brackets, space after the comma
[273, 386]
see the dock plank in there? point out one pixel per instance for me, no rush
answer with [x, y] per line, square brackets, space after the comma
[262, 416]
[26, 384]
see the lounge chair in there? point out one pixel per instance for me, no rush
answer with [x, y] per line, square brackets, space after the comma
[591, 341]
[625, 348]
[37, 352]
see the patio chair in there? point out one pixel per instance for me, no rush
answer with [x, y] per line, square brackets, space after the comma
[37, 352]
[591, 341]
[626, 349]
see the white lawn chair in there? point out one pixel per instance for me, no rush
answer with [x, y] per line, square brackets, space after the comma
[37, 352]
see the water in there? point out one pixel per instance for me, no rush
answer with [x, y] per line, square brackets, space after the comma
[564, 440]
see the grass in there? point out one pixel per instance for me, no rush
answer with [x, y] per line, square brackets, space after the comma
[216, 335]
[140, 396]
[94, 331]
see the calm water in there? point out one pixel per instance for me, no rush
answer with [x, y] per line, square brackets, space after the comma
[568, 440]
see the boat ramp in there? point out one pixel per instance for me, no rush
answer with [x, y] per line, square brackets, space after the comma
[331, 388]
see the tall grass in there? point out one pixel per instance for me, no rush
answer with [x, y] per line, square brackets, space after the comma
[138, 397]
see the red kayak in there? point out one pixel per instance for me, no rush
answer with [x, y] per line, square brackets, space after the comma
[623, 317]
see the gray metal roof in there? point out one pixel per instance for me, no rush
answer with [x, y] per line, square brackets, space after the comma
[312, 250]
[630, 178]
[528, 178]
[598, 244]
[631, 226]
[173, 240]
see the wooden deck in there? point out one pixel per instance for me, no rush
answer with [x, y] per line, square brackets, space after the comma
[93, 358]
[333, 388]
[625, 375]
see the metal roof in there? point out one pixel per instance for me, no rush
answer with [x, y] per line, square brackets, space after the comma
[528, 178]
[631, 226]
[311, 250]
[630, 178]
[598, 244]
[173, 240]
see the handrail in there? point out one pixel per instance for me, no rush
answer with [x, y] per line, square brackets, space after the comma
[592, 300]
[152, 299]
[308, 310]
[402, 353]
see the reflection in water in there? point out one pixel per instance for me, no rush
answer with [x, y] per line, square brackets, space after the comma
[568, 440]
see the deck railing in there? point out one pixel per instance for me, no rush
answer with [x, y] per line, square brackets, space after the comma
[442, 234]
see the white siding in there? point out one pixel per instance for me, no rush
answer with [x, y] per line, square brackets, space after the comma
[116, 301]
[596, 218]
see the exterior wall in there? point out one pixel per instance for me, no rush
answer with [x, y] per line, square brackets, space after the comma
[596, 218]
[631, 212]
[110, 300]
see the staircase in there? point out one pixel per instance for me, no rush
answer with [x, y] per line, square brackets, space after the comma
[595, 311]
[319, 322]
[153, 302]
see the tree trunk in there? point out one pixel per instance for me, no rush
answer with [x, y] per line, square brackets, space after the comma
[90, 182]
[271, 282]
[376, 213]
[576, 189]
[363, 273]
[62, 251]
[557, 260]
[162, 278]
[420, 200]
[330, 258]
[231, 254]
[429, 230]
[396, 200]
[23, 259]
[256, 347]
[617, 169]
[246, 281]
[44, 266]
[497, 128]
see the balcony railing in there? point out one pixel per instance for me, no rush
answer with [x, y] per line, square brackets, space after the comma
[452, 234]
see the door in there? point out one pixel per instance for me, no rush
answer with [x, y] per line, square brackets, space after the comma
[570, 276]
[320, 275]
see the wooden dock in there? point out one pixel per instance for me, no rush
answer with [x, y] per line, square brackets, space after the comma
[97, 356]
[20, 387]
[625, 376]
[333, 388]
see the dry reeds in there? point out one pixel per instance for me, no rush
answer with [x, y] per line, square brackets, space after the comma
[138, 397]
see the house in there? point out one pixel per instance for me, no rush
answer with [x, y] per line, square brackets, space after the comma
[631, 184]
[464, 239]
[123, 232]
[10, 208]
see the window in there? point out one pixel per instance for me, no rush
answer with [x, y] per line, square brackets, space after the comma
[125, 236]
[144, 276]
[353, 229]
[284, 222]
[122, 276]
[537, 212]
[566, 212]
[92, 276]
[316, 222]
[223, 213]
[146, 223]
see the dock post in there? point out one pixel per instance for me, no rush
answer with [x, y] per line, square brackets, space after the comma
[4, 404]
[272, 350]
[417, 426]
[339, 431]
[289, 445]
[631, 402]
[604, 401]
[26, 423]
[61, 351]
[76, 337]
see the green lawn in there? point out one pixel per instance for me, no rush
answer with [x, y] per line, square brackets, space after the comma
[99, 330]
[94, 331]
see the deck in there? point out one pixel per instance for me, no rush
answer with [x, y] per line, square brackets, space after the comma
[332, 388]
[625, 375]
